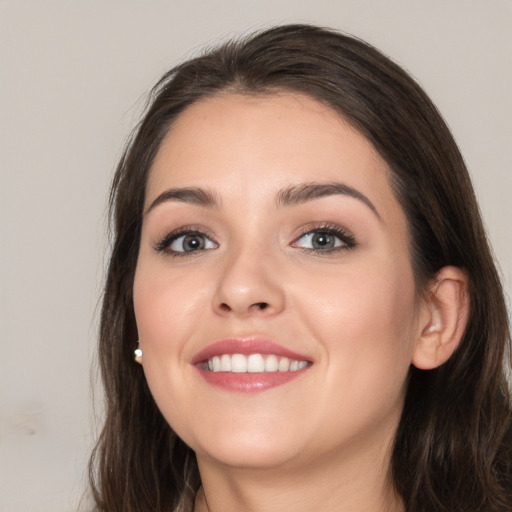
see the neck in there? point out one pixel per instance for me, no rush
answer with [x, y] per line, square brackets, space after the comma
[360, 483]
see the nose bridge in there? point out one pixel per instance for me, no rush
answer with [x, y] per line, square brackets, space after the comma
[249, 283]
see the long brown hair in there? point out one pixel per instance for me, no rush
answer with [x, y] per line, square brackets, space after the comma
[453, 448]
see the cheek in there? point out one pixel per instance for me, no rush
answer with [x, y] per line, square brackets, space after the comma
[167, 311]
[365, 320]
[167, 306]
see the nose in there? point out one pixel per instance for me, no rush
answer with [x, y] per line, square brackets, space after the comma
[249, 285]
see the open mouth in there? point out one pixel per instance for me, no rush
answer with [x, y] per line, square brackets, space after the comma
[249, 364]
[253, 363]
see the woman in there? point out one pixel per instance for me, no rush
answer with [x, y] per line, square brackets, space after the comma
[300, 267]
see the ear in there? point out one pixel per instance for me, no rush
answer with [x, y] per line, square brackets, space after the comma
[443, 319]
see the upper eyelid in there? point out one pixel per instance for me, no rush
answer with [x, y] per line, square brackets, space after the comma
[189, 228]
[324, 226]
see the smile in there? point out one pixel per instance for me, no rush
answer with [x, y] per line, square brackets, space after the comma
[249, 364]
[253, 363]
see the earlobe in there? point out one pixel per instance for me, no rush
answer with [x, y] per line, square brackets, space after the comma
[442, 326]
[137, 354]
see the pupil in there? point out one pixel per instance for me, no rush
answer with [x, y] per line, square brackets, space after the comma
[323, 240]
[192, 243]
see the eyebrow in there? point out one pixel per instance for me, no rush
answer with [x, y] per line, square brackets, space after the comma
[289, 196]
[304, 192]
[191, 195]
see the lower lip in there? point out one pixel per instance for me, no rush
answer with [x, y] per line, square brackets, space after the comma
[249, 382]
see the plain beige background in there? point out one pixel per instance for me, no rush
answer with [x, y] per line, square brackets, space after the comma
[72, 83]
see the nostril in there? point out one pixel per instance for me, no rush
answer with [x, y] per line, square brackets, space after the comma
[256, 306]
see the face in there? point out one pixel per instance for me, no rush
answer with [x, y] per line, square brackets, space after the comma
[273, 294]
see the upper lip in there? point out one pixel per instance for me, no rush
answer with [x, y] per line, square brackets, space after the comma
[246, 346]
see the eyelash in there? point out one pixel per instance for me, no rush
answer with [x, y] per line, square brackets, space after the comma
[347, 239]
[165, 243]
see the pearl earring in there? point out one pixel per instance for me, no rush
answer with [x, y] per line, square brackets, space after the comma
[138, 354]
[432, 328]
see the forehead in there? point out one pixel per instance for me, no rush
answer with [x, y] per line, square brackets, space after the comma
[240, 144]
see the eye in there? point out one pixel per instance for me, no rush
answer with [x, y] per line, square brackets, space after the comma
[191, 243]
[325, 240]
[182, 243]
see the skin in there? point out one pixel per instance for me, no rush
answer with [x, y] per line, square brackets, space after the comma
[322, 441]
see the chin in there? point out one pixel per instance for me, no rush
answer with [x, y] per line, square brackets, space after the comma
[247, 456]
[247, 449]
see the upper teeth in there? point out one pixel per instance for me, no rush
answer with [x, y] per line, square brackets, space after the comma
[254, 363]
